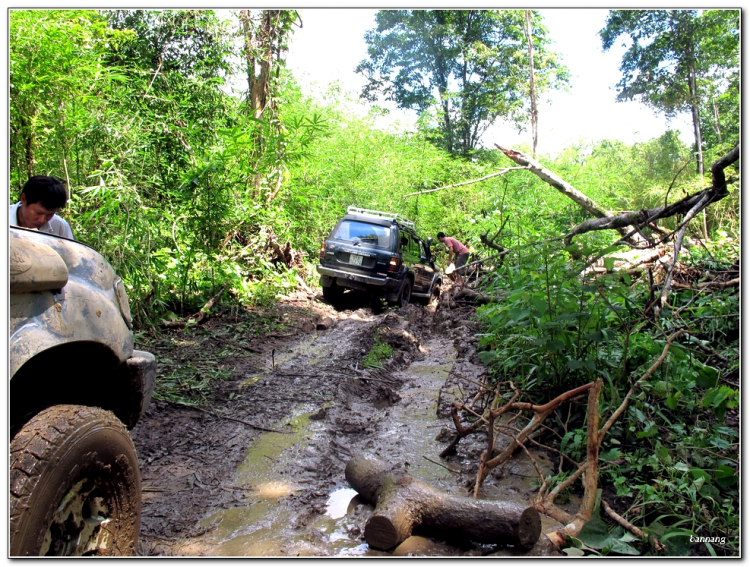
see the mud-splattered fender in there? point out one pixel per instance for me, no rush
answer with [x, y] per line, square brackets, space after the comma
[66, 293]
[39, 321]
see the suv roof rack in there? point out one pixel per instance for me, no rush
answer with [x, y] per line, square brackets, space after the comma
[394, 216]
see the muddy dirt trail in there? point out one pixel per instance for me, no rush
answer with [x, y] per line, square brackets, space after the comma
[259, 470]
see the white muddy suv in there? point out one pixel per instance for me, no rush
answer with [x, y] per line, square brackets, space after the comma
[76, 387]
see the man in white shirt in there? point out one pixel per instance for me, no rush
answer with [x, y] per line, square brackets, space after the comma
[42, 196]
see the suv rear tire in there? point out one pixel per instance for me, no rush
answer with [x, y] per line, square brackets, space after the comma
[75, 487]
[405, 296]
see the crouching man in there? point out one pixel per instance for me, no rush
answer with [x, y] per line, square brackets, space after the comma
[42, 196]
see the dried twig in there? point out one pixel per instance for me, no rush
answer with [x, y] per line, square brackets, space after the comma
[199, 316]
[637, 532]
[442, 465]
[490, 176]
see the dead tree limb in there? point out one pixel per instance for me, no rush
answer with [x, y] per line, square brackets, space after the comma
[588, 470]
[490, 243]
[731, 283]
[209, 305]
[717, 168]
[476, 296]
[403, 503]
[717, 191]
[590, 474]
[700, 205]
[461, 431]
[558, 183]
[487, 462]
[497, 174]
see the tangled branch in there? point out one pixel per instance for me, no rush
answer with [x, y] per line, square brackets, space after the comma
[587, 471]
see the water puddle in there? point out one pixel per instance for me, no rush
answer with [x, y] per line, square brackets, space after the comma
[339, 502]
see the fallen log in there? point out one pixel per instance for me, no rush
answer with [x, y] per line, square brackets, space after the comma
[403, 503]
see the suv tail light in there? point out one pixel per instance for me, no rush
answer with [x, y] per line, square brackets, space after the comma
[394, 264]
[322, 250]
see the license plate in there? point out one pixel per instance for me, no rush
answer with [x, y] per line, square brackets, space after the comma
[355, 259]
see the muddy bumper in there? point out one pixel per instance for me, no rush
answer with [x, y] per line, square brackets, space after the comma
[327, 275]
[141, 370]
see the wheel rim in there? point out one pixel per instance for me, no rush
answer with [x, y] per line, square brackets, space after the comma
[78, 524]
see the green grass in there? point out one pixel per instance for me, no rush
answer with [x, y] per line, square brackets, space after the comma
[378, 354]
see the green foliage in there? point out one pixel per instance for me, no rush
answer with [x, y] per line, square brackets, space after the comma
[475, 60]
[671, 47]
[59, 85]
[671, 454]
[379, 353]
[679, 61]
[552, 330]
[183, 189]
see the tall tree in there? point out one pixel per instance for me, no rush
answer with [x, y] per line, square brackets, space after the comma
[467, 65]
[265, 43]
[673, 59]
[532, 88]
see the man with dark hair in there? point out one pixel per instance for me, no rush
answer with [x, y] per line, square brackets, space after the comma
[458, 254]
[41, 197]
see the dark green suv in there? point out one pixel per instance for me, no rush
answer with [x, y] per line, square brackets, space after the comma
[378, 253]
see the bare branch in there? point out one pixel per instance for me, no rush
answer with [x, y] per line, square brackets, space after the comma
[717, 191]
[637, 532]
[497, 174]
[678, 246]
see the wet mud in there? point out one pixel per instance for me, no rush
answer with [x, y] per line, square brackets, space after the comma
[267, 478]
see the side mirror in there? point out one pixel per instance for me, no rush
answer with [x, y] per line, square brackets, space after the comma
[429, 240]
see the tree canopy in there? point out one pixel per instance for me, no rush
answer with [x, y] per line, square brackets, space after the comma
[678, 60]
[469, 67]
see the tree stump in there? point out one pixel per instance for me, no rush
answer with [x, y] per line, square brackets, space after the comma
[403, 503]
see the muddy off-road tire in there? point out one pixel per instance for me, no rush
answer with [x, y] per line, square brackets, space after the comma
[405, 295]
[75, 487]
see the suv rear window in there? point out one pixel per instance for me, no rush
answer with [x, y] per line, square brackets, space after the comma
[355, 231]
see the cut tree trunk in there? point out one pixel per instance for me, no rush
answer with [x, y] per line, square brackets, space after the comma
[403, 504]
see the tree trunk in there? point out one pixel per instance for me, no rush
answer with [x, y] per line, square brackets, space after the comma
[257, 42]
[695, 108]
[532, 89]
[404, 504]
